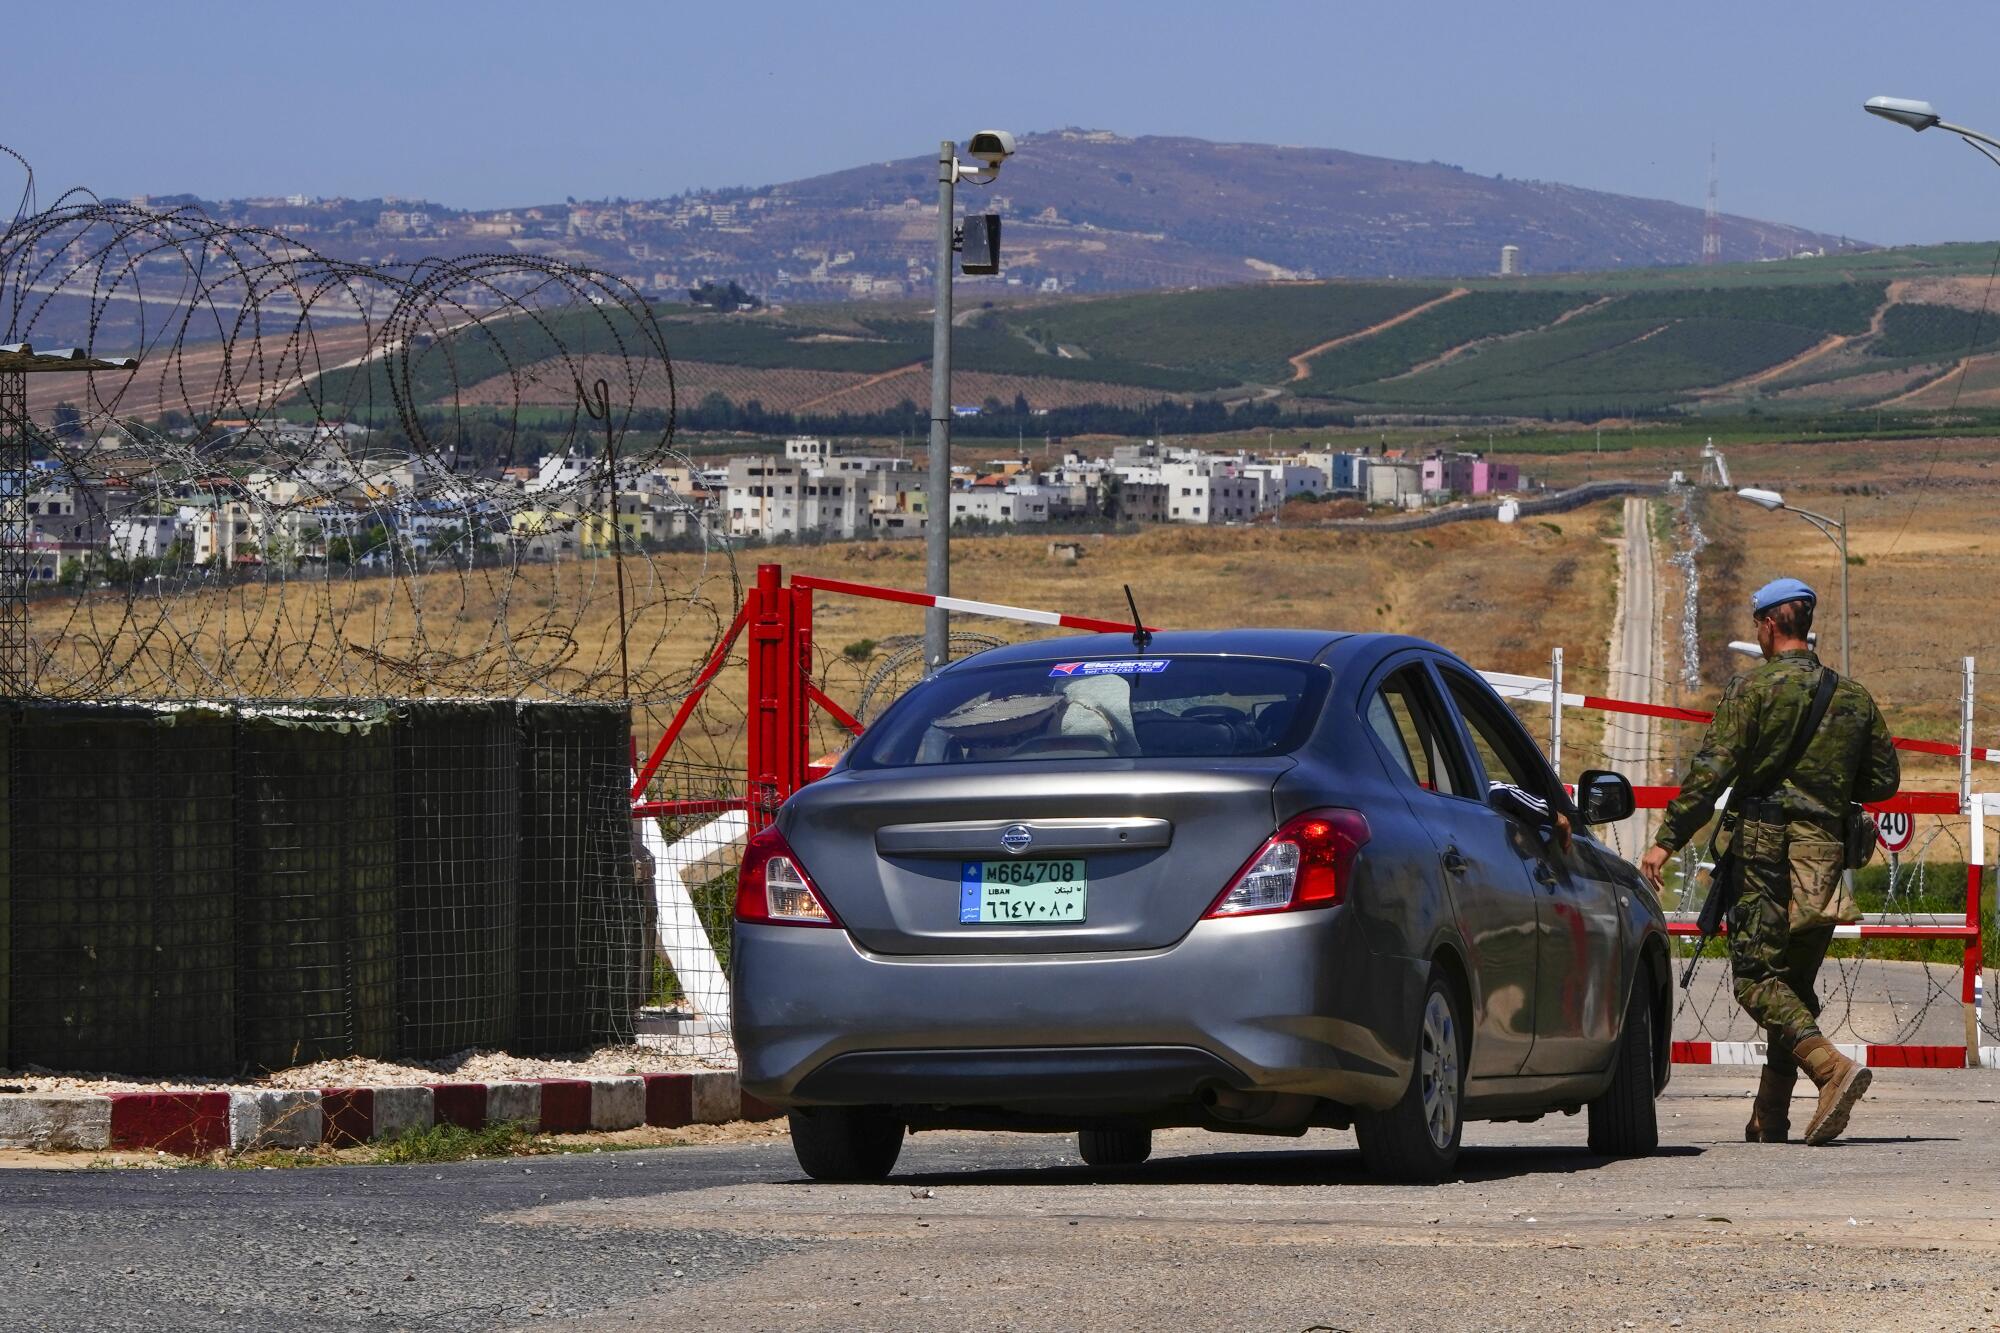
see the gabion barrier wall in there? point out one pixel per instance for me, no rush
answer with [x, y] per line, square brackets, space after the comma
[586, 933]
[316, 884]
[458, 858]
[224, 889]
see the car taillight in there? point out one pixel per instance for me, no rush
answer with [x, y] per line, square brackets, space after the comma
[1306, 863]
[773, 889]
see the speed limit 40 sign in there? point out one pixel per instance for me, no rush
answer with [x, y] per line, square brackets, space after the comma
[1894, 832]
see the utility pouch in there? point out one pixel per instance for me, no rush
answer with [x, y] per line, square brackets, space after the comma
[1859, 833]
[1760, 843]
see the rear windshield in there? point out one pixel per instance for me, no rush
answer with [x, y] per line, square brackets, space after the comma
[1110, 708]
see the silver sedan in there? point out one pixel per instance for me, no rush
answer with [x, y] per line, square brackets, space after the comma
[1256, 881]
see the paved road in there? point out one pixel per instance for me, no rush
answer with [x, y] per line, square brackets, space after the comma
[1628, 739]
[1898, 1227]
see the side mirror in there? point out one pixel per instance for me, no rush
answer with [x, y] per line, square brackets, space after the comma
[1604, 797]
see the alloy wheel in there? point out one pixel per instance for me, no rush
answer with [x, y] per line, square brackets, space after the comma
[1439, 1071]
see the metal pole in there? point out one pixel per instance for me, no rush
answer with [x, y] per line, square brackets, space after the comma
[937, 503]
[1965, 740]
[1556, 712]
[1846, 638]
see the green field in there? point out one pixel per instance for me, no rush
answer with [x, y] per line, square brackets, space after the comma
[1652, 343]
[1934, 331]
[1244, 334]
[1469, 319]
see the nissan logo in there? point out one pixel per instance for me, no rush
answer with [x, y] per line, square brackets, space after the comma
[1016, 838]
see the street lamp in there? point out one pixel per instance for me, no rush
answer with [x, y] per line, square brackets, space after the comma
[1774, 501]
[991, 147]
[1921, 116]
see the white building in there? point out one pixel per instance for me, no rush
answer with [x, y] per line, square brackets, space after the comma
[1001, 504]
[222, 532]
[1197, 495]
[791, 498]
[144, 536]
[1279, 482]
[1395, 481]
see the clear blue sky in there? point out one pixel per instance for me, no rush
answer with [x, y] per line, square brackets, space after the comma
[492, 103]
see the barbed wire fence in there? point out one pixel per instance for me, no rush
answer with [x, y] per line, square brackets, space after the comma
[279, 481]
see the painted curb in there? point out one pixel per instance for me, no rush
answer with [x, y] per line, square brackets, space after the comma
[195, 1123]
[78, 1122]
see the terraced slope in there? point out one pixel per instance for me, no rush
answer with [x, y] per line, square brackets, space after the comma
[1472, 318]
[1236, 334]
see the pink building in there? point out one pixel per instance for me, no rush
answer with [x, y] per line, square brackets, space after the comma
[1469, 474]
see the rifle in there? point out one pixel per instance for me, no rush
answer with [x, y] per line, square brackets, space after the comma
[1724, 885]
[1725, 880]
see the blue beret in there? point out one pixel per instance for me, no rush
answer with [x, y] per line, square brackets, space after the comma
[1779, 591]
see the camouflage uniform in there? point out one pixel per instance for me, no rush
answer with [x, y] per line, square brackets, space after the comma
[1792, 890]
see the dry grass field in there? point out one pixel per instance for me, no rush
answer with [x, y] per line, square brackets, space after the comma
[1924, 597]
[1499, 595]
[215, 377]
[1926, 582]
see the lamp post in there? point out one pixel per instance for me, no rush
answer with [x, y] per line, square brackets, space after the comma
[991, 147]
[1828, 527]
[1921, 116]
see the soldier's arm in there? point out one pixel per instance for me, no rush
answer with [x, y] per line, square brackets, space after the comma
[1714, 770]
[1881, 768]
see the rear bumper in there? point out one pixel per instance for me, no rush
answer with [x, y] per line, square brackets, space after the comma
[1047, 1079]
[1289, 1003]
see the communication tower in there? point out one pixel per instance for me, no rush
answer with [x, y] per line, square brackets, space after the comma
[1711, 232]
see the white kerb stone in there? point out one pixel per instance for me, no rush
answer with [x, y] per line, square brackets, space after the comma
[275, 1120]
[716, 1099]
[617, 1103]
[400, 1111]
[81, 1123]
[514, 1103]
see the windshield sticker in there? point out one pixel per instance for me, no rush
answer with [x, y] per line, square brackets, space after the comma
[1117, 666]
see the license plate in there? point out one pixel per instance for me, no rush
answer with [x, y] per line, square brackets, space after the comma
[1022, 892]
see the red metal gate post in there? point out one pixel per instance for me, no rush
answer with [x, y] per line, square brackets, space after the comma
[799, 734]
[764, 636]
[779, 635]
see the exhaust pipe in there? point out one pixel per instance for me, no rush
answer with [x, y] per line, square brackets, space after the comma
[1227, 1103]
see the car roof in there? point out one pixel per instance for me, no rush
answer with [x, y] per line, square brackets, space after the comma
[1297, 645]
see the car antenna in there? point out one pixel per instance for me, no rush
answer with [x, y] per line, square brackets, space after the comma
[1141, 636]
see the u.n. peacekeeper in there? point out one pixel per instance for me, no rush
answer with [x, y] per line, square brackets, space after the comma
[1790, 849]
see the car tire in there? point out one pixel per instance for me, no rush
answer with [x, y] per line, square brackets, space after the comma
[1625, 1121]
[1417, 1139]
[846, 1143]
[1114, 1147]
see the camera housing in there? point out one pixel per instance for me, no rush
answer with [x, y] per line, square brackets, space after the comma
[991, 147]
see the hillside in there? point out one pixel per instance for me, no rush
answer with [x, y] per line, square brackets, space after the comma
[1085, 211]
[1100, 211]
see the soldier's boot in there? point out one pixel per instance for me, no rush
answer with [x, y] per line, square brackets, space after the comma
[1840, 1082]
[1771, 1113]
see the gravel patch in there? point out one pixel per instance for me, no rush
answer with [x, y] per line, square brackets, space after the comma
[472, 1066]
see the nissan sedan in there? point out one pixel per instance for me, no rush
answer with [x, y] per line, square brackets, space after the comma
[1255, 881]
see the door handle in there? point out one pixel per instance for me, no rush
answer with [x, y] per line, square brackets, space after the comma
[1453, 861]
[1545, 875]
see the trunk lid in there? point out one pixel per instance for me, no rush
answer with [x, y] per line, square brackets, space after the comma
[1157, 841]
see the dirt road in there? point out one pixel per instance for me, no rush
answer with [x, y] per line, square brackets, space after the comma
[1628, 739]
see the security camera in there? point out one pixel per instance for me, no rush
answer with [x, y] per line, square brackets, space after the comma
[991, 147]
